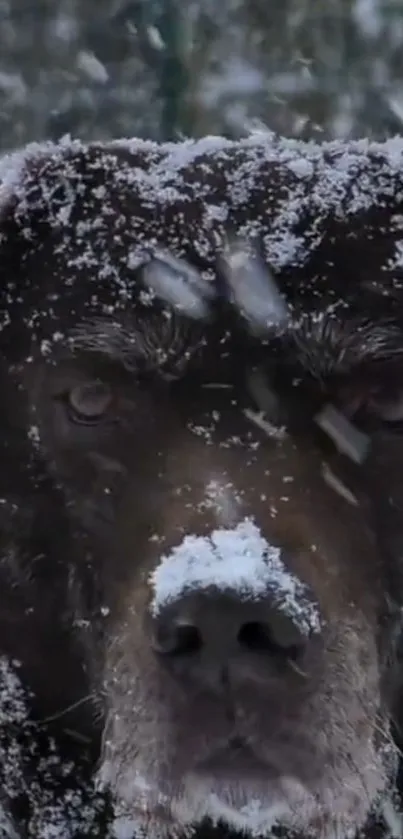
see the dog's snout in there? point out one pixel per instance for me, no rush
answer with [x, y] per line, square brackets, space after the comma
[213, 626]
[230, 602]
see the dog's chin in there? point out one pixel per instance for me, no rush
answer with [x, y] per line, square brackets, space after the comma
[252, 802]
[245, 806]
[251, 805]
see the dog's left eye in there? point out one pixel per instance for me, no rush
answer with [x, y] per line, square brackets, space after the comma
[382, 402]
[89, 402]
[387, 406]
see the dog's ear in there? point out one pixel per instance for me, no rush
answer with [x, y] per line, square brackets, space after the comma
[20, 240]
[21, 173]
[12, 172]
[43, 190]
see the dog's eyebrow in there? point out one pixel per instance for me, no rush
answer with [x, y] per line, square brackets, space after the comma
[329, 342]
[325, 341]
[162, 342]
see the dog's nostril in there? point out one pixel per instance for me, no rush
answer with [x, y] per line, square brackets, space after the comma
[178, 639]
[255, 636]
[258, 637]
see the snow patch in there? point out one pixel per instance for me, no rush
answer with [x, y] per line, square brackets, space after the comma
[155, 38]
[177, 283]
[92, 67]
[253, 289]
[8, 829]
[239, 560]
[223, 500]
[57, 802]
[367, 15]
[13, 85]
[236, 77]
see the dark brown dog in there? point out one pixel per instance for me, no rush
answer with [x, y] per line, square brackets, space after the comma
[218, 590]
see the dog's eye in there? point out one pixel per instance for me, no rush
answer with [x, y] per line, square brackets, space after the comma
[387, 406]
[381, 402]
[89, 402]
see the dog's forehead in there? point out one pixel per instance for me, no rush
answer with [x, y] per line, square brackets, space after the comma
[78, 221]
[176, 186]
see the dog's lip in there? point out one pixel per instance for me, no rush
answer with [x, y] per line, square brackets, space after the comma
[237, 757]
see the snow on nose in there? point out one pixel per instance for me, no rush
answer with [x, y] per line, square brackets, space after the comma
[240, 561]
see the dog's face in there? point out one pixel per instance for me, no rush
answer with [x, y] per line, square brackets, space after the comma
[230, 602]
[230, 588]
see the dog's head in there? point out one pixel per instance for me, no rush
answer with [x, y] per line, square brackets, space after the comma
[181, 497]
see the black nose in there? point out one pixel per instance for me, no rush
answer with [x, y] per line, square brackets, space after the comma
[215, 627]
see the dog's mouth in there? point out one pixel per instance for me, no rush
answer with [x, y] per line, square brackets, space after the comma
[236, 759]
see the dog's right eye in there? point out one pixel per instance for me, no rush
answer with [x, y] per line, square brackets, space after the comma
[89, 402]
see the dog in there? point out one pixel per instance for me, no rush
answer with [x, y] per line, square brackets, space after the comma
[201, 491]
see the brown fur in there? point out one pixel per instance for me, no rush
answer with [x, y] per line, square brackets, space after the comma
[89, 511]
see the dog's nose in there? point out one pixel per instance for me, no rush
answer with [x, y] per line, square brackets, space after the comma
[230, 601]
[224, 625]
[213, 628]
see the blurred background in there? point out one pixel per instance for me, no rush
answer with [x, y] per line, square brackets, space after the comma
[172, 68]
